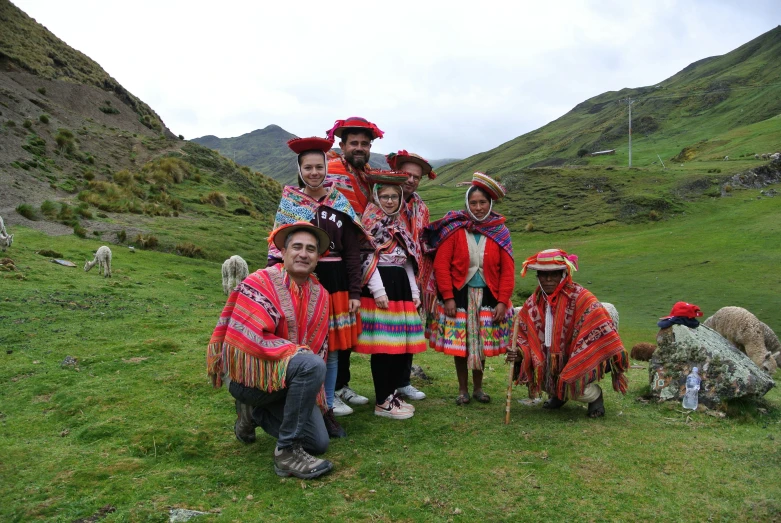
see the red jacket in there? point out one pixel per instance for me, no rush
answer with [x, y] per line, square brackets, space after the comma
[452, 263]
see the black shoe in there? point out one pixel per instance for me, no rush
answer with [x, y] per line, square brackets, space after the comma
[553, 403]
[334, 429]
[244, 428]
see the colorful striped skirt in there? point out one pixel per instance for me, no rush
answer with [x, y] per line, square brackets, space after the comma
[472, 334]
[344, 326]
[397, 329]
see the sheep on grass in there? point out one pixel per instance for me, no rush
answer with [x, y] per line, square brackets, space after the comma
[745, 331]
[103, 261]
[5, 239]
[234, 270]
[642, 351]
[611, 309]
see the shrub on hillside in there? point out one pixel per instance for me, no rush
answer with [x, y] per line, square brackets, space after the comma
[146, 241]
[27, 211]
[89, 175]
[215, 198]
[79, 231]
[654, 216]
[44, 118]
[190, 250]
[27, 123]
[122, 236]
[582, 153]
[65, 140]
[123, 177]
[529, 227]
[49, 209]
[245, 201]
[42, 90]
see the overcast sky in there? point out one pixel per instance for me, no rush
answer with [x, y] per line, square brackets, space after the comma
[443, 79]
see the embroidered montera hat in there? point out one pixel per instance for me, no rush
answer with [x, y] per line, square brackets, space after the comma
[400, 158]
[551, 260]
[354, 122]
[494, 189]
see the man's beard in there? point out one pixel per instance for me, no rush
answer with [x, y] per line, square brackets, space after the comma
[358, 163]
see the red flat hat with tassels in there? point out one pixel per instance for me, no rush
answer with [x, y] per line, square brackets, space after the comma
[313, 143]
[354, 122]
[402, 157]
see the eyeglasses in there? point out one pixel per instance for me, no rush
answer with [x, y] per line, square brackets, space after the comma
[389, 197]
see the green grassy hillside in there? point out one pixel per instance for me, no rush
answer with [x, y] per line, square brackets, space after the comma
[135, 425]
[709, 110]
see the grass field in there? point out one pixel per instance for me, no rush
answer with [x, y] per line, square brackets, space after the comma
[136, 425]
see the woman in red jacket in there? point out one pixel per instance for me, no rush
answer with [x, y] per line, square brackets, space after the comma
[475, 276]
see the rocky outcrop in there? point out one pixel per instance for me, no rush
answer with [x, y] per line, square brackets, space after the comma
[726, 372]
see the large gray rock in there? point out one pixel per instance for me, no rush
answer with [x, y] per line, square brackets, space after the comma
[726, 372]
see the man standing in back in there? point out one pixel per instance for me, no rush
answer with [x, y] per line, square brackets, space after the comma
[348, 173]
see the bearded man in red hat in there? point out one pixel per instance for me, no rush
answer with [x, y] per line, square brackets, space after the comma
[416, 214]
[348, 174]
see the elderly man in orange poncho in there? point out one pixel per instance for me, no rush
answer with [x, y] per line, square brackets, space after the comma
[566, 339]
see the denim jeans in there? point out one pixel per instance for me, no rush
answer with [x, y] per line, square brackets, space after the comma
[331, 370]
[291, 414]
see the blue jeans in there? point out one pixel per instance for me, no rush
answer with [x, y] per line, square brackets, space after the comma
[291, 414]
[332, 369]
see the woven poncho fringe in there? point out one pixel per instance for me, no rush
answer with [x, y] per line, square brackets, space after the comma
[266, 319]
[584, 344]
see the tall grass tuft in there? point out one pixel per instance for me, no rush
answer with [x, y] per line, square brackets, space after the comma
[27, 210]
[215, 198]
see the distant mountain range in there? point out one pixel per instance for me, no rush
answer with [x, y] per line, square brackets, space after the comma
[265, 150]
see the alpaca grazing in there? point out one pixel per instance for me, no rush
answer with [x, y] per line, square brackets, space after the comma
[234, 270]
[611, 309]
[642, 351]
[103, 261]
[5, 239]
[745, 331]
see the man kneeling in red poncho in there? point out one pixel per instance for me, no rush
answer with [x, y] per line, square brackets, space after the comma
[270, 346]
[566, 339]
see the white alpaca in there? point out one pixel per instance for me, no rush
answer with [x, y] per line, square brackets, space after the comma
[234, 270]
[744, 330]
[5, 239]
[611, 309]
[726, 158]
[103, 260]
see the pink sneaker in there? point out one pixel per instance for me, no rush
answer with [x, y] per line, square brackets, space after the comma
[391, 408]
[404, 405]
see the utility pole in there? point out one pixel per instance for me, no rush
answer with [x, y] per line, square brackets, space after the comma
[629, 102]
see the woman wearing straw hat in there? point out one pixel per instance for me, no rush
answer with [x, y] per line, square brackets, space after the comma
[392, 327]
[318, 202]
[475, 278]
[567, 340]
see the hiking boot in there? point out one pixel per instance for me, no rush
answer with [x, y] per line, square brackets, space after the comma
[295, 461]
[403, 404]
[244, 428]
[391, 408]
[341, 408]
[348, 395]
[411, 392]
[334, 429]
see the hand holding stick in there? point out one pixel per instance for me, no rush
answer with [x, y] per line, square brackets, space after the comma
[513, 342]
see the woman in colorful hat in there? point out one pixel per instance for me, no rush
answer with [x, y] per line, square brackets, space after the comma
[318, 202]
[566, 339]
[392, 327]
[475, 278]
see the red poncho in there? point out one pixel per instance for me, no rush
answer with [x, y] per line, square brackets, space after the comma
[584, 345]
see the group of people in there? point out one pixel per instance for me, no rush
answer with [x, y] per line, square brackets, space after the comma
[355, 265]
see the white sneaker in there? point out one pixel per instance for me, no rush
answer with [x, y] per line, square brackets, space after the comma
[411, 392]
[391, 408]
[340, 408]
[348, 395]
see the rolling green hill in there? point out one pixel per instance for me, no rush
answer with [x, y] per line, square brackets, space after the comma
[709, 110]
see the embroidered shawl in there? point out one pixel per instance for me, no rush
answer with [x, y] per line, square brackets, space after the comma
[297, 206]
[266, 320]
[351, 182]
[386, 233]
[585, 344]
[418, 217]
[493, 227]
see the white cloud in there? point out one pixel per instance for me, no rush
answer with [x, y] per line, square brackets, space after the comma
[445, 79]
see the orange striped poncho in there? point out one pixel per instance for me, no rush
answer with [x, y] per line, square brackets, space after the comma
[266, 320]
[349, 181]
[585, 343]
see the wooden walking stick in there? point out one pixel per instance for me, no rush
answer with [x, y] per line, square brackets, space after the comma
[512, 368]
